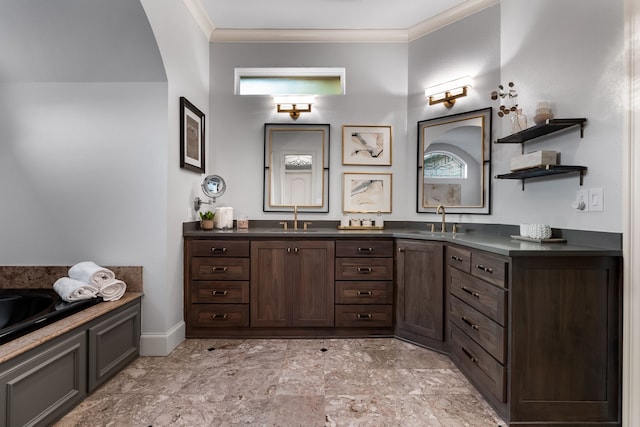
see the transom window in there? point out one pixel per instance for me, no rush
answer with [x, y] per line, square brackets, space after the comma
[442, 164]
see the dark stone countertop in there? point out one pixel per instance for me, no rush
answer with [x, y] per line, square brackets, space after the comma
[497, 239]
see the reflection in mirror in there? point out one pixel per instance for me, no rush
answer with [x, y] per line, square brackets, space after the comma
[295, 171]
[214, 186]
[454, 163]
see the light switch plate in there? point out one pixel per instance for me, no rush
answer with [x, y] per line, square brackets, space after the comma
[596, 199]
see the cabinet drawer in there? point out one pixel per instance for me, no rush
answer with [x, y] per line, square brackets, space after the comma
[364, 316]
[484, 331]
[478, 365]
[219, 248]
[487, 299]
[364, 248]
[459, 258]
[220, 268]
[490, 268]
[220, 315]
[227, 292]
[360, 269]
[366, 292]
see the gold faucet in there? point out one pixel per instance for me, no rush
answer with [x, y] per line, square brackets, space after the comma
[444, 226]
[295, 217]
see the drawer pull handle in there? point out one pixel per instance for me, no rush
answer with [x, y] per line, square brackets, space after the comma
[456, 258]
[219, 293]
[214, 250]
[364, 293]
[364, 316]
[370, 250]
[469, 355]
[470, 292]
[364, 269]
[483, 268]
[219, 269]
[468, 322]
[219, 316]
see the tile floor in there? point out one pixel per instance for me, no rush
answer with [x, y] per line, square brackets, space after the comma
[281, 382]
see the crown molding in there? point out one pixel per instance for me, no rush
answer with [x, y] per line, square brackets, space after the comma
[200, 15]
[464, 9]
[309, 36]
[213, 34]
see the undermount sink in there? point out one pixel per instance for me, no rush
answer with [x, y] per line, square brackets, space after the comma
[290, 231]
[439, 233]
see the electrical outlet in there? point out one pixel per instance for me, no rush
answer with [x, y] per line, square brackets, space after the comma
[581, 203]
[596, 199]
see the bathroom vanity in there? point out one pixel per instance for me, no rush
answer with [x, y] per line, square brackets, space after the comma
[535, 327]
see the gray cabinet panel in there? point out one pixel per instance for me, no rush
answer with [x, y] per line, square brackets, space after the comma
[41, 386]
[113, 344]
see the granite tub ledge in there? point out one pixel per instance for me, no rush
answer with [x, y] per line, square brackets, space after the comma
[40, 336]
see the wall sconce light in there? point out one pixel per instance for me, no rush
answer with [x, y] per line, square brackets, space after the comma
[448, 92]
[294, 105]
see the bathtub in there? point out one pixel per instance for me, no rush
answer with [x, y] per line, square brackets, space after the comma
[25, 310]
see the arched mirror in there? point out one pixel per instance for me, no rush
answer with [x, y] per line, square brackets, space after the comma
[454, 163]
[296, 167]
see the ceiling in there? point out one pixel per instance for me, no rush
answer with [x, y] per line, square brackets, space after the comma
[327, 20]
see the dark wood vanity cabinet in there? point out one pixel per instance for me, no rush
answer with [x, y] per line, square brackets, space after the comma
[539, 336]
[420, 292]
[364, 285]
[292, 283]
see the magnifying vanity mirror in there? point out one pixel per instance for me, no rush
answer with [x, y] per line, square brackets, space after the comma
[454, 163]
[213, 186]
[296, 167]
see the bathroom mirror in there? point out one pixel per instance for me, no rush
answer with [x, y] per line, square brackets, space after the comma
[296, 167]
[454, 163]
[213, 186]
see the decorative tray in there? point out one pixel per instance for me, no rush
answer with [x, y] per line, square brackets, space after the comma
[531, 239]
[359, 227]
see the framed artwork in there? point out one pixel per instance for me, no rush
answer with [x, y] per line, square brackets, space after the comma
[366, 192]
[192, 152]
[366, 145]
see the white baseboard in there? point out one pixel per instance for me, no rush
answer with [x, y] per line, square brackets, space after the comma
[162, 344]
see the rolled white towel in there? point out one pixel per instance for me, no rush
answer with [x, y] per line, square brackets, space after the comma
[90, 272]
[113, 290]
[74, 290]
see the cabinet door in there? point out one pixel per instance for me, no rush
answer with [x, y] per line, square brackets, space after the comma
[269, 290]
[420, 288]
[313, 283]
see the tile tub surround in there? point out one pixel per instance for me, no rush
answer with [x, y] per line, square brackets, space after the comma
[45, 276]
[288, 382]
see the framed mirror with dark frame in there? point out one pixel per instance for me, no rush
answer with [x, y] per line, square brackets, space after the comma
[454, 163]
[296, 167]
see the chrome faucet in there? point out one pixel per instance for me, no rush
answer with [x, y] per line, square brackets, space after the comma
[444, 226]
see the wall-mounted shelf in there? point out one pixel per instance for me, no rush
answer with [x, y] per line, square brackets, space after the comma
[525, 174]
[550, 126]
